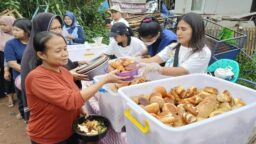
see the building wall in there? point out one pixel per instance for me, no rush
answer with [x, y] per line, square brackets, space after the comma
[222, 7]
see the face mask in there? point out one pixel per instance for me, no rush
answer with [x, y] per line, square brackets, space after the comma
[150, 43]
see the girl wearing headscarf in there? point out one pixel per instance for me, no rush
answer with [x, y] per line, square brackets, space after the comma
[72, 32]
[42, 22]
[13, 52]
[5, 35]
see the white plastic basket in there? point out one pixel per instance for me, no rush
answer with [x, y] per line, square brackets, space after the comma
[232, 127]
[111, 105]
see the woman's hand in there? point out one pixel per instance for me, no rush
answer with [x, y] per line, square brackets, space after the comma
[82, 62]
[78, 76]
[70, 37]
[146, 68]
[7, 74]
[113, 78]
[84, 111]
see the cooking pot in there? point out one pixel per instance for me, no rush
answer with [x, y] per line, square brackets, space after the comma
[94, 67]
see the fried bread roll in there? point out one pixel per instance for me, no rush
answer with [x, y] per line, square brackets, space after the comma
[127, 62]
[191, 109]
[216, 112]
[168, 100]
[169, 119]
[208, 105]
[161, 90]
[155, 115]
[180, 91]
[169, 107]
[191, 92]
[144, 100]
[181, 109]
[157, 99]
[238, 103]
[179, 121]
[211, 90]
[189, 118]
[194, 100]
[177, 99]
[170, 95]
[223, 98]
[156, 94]
[225, 107]
[152, 108]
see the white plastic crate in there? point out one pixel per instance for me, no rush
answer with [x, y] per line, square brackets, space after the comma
[233, 127]
[111, 105]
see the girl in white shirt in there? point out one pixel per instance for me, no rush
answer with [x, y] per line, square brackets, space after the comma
[193, 55]
[125, 44]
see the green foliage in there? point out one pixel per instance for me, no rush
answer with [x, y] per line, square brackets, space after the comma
[86, 12]
[10, 4]
[247, 70]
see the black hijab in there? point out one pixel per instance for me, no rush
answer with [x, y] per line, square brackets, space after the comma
[41, 22]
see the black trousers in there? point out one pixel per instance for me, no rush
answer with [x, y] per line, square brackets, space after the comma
[71, 140]
[6, 87]
[2, 86]
[21, 107]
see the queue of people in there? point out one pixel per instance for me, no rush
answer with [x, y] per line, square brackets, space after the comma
[51, 95]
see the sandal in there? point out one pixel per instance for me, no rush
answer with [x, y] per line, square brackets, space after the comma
[10, 102]
[10, 105]
[18, 116]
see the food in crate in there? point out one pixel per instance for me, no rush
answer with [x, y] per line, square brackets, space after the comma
[114, 86]
[125, 66]
[182, 106]
[122, 65]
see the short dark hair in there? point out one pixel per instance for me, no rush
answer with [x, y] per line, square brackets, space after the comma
[42, 38]
[120, 28]
[196, 22]
[24, 24]
[149, 26]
